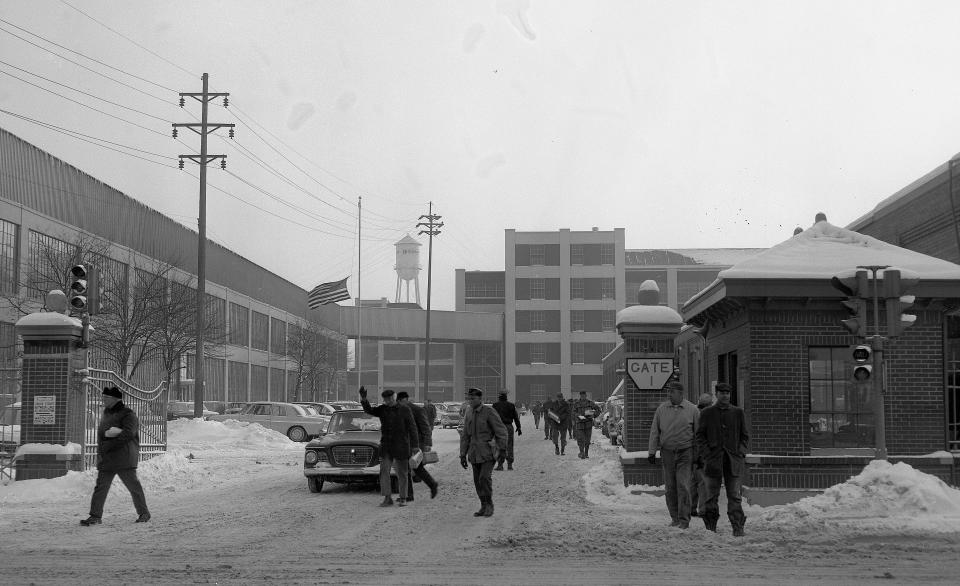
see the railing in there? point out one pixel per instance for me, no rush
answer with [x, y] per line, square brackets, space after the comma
[149, 406]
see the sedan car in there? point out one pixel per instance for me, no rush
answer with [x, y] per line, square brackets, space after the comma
[297, 422]
[450, 415]
[348, 452]
[184, 410]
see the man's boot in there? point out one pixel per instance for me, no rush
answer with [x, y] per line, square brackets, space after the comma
[483, 509]
[556, 449]
[499, 465]
[586, 451]
[509, 465]
[387, 502]
[488, 510]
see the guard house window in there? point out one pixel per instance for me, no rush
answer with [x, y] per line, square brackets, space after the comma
[576, 254]
[537, 321]
[576, 320]
[606, 253]
[537, 289]
[840, 408]
[576, 288]
[536, 255]
[607, 288]
[577, 352]
[538, 354]
[608, 321]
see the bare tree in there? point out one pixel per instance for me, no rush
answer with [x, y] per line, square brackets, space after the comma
[314, 351]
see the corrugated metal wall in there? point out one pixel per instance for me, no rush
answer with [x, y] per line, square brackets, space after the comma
[39, 181]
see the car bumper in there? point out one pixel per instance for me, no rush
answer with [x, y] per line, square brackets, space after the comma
[346, 473]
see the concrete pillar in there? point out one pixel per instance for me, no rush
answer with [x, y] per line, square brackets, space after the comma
[649, 331]
[53, 401]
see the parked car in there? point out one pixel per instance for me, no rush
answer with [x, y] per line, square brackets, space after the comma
[185, 410]
[348, 451]
[234, 407]
[297, 422]
[450, 416]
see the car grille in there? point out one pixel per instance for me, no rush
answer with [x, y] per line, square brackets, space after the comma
[353, 456]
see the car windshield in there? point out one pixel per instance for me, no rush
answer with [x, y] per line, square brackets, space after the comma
[353, 421]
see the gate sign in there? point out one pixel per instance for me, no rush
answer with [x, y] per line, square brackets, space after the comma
[44, 409]
[650, 373]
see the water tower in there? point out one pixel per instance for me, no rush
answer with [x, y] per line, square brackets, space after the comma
[408, 266]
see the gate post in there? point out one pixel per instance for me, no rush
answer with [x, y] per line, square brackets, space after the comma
[648, 331]
[53, 406]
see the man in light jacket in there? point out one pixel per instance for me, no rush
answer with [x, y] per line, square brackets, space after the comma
[673, 430]
[484, 436]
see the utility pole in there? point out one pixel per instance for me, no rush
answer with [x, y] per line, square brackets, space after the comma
[431, 224]
[203, 128]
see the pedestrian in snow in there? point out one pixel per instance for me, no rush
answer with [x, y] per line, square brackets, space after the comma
[118, 452]
[484, 435]
[584, 413]
[508, 414]
[548, 415]
[558, 427]
[673, 429]
[431, 411]
[722, 441]
[425, 436]
[399, 438]
[535, 409]
[698, 488]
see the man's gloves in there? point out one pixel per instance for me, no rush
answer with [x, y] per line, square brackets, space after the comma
[363, 392]
[463, 462]
[652, 458]
[113, 432]
[519, 432]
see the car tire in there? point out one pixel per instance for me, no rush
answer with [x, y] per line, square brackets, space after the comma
[297, 434]
[315, 483]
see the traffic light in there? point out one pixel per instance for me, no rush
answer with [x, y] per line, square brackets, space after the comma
[85, 289]
[855, 287]
[862, 370]
[895, 287]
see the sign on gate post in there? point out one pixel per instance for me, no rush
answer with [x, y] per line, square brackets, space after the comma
[650, 373]
[44, 409]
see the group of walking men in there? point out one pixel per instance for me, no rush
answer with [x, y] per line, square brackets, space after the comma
[560, 416]
[701, 446]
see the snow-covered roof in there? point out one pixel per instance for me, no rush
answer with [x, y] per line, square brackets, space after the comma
[826, 250]
[723, 257]
[648, 314]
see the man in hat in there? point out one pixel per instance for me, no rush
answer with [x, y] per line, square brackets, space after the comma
[425, 432]
[399, 438]
[558, 426]
[673, 428]
[722, 441]
[509, 416]
[484, 435]
[118, 452]
[584, 413]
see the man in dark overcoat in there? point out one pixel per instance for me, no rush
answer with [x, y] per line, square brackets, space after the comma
[508, 414]
[545, 409]
[399, 438]
[425, 435]
[559, 427]
[722, 442]
[118, 452]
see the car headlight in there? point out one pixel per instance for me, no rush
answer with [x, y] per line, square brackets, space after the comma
[311, 457]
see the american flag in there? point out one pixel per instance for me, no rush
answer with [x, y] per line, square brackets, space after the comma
[328, 293]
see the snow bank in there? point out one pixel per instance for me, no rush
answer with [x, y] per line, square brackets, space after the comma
[883, 498]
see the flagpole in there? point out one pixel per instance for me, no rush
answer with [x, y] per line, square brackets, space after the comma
[359, 351]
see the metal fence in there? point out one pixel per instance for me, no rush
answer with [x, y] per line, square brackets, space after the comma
[149, 406]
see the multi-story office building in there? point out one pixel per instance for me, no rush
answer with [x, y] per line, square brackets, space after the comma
[560, 292]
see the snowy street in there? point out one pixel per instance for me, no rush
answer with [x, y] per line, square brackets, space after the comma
[239, 511]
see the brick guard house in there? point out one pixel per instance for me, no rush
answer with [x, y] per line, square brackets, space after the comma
[771, 327]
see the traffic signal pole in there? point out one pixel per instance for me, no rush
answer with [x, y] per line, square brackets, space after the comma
[876, 345]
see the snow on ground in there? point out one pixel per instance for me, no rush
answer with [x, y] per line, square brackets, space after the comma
[883, 499]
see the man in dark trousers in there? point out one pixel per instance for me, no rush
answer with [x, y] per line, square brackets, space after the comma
[547, 420]
[118, 452]
[483, 436]
[672, 430]
[431, 411]
[425, 434]
[398, 440]
[509, 416]
[536, 409]
[722, 442]
[558, 426]
[698, 487]
[584, 413]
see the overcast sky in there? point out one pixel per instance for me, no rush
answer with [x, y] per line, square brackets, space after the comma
[689, 124]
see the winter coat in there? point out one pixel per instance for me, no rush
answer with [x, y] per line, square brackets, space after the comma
[580, 409]
[722, 430]
[431, 410]
[482, 429]
[123, 451]
[424, 425]
[508, 414]
[562, 409]
[398, 430]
